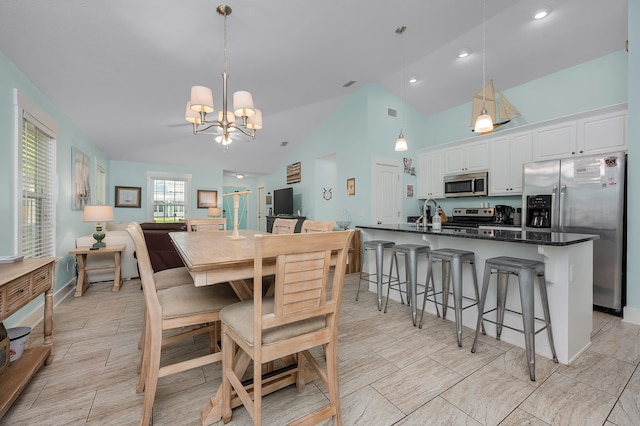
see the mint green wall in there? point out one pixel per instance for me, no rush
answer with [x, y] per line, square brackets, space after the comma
[633, 182]
[69, 223]
[129, 173]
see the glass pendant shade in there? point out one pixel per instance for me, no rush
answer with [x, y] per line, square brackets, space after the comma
[401, 143]
[224, 140]
[243, 104]
[483, 123]
[201, 99]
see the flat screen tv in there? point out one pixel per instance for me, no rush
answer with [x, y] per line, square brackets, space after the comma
[283, 201]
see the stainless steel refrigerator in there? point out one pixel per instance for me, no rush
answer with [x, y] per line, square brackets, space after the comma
[584, 195]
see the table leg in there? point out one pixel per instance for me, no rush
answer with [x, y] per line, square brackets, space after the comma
[118, 274]
[242, 289]
[83, 279]
[48, 323]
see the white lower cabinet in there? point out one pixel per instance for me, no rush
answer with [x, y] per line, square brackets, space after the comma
[507, 155]
[430, 173]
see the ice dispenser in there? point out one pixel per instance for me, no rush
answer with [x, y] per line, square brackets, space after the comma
[539, 211]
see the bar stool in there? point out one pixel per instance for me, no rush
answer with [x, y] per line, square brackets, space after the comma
[410, 252]
[378, 246]
[452, 261]
[526, 270]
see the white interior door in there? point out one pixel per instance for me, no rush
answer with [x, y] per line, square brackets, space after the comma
[387, 206]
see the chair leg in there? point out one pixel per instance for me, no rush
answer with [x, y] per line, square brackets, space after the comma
[228, 350]
[547, 315]
[300, 375]
[143, 365]
[151, 382]
[503, 281]
[334, 384]
[481, 303]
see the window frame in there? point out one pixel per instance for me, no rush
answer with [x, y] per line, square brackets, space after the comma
[152, 176]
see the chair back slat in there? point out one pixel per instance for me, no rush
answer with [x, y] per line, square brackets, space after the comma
[284, 226]
[146, 271]
[207, 225]
[310, 226]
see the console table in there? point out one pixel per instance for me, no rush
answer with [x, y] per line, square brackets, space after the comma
[81, 257]
[20, 283]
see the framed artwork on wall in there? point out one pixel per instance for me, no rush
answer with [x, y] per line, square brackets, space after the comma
[207, 198]
[294, 173]
[128, 196]
[80, 176]
[410, 191]
[351, 186]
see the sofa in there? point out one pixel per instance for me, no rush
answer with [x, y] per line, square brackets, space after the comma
[162, 253]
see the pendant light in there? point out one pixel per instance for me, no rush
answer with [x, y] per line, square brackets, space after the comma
[401, 142]
[484, 123]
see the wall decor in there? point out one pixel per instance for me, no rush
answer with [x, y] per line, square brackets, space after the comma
[294, 173]
[326, 193]
[407, 166]
[80, 176]
[268, 200]
[410, 191]
[128, 196]
[351, 186]
[207, 198]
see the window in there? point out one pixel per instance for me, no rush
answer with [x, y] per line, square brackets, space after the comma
[37, 163]
[168, 196]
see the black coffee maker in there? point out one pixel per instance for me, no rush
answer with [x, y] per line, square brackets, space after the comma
[503, 215]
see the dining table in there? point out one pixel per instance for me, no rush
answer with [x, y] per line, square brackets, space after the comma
[218, 257]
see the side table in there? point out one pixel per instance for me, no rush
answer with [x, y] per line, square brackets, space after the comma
[81, 257]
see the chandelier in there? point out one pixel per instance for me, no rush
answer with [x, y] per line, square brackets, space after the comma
[200, 107]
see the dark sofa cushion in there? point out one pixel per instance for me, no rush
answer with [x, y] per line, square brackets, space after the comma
[162, 252]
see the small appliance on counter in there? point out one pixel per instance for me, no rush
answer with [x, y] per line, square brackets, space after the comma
[503, 215]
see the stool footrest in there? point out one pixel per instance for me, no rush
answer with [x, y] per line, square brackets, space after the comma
[473, 301]
[514, 328]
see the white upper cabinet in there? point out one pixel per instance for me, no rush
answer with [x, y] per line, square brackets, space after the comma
[555, 141]
[587, 136]
[430, 181]
[469, 157]
[602, 134]
[507, 155]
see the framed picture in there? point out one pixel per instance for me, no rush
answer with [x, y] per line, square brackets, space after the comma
[294, 173]
[410, 191]
[80, 163]
[207, 199]
[268, 200]
[351, 186]
[128, 196]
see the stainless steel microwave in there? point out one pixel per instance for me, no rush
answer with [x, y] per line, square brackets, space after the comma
[466, 185]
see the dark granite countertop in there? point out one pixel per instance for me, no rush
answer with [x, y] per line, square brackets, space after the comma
[544, 238]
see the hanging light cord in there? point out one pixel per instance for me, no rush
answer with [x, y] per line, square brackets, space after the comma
[225, 42]
[401, 78]
[484, 53]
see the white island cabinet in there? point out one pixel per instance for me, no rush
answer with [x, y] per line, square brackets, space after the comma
[568, 262]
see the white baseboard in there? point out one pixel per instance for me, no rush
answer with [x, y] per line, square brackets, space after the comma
[631, 315]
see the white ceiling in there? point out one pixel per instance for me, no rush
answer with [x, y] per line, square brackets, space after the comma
[122, 69]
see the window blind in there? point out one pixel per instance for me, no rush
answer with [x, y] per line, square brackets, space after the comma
[38, 171]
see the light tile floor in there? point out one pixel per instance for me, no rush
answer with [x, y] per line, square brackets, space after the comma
[391, 373]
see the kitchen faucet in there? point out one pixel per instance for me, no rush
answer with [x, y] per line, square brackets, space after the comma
[425, 207]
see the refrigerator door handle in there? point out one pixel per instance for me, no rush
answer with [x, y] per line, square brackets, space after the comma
[563, 191]
[554, 203]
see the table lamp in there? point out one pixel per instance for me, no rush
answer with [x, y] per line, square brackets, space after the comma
[214, 212]
[98, 214]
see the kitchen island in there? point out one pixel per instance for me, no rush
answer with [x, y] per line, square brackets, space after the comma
[568, 262]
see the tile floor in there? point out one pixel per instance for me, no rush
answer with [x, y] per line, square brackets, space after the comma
[391, 373]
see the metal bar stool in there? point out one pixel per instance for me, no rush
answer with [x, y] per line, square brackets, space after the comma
[410, 252]
[452, 261]
[379, 246]
[526, 270]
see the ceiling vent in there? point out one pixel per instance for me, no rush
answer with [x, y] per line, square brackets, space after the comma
[349, 83]
[392, 112]
[284, 143]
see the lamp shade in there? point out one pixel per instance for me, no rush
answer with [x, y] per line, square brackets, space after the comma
[231, 120]
[255, 122]
[190, 115]
[243, 104]
[98, 214]
[214, 212]
[201, 99]
[483, 123]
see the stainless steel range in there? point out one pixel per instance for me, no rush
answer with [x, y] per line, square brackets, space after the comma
[471, 217]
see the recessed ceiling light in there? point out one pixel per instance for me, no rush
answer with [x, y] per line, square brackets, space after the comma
[413, 80]
[463, 53]
[542, 13]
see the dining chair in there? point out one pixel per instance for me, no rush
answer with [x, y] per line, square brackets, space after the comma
[309, 226]
[284, 226]
[208, 224]
[303, 314]
[172, 308]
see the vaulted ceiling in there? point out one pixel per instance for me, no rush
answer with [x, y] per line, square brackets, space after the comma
[122, 69]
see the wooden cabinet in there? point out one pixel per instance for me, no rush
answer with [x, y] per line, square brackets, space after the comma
[587, 136]
[20, 283]
[468, 157]
[430, 173]
[508, 154]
